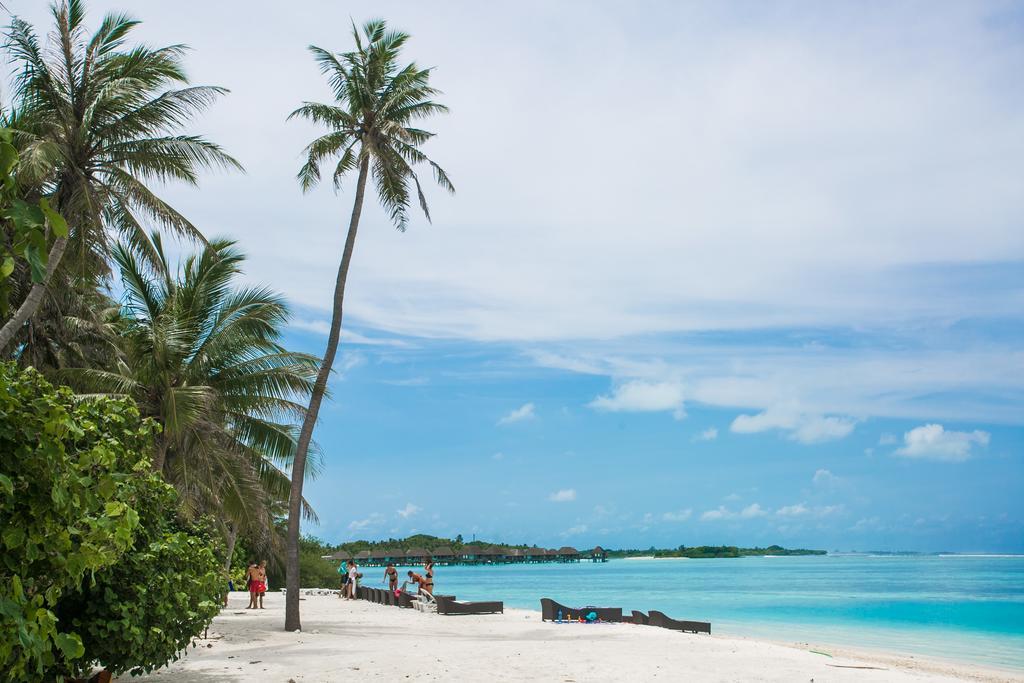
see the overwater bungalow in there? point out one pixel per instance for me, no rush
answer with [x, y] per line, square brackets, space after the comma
[443, 555]
[470, 554]
[568, 554]
[598, 554]
[378, 556]
[416, 556]
[362, 557]
[536, 554]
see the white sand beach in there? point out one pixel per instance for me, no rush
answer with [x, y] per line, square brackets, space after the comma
[349, 641]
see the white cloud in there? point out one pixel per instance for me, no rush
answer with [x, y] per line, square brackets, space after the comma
[323, 327]
[409, 382]
[575, 530]
[933, 442]
[409, 510]
[373, 520]
[678, 516]
[823, 477]
[793, 510]
[709, 434]
[806, 428]
[887, 439]
[524, 412]
[721, 513]
[563, 496]
[498, 456]
[642, 396]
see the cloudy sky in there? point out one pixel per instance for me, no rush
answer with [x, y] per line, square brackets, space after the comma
[715, 272]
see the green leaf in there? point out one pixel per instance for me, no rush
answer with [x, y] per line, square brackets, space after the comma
[36, 262]
[56, 221]
[25, 215]
[14, 536]
[6, 484]
[70, 644]
[6, 268]
[115, 509]
[8, 157]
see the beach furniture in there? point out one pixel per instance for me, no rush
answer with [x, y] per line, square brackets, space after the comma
[640, 618]
[449, 605]
[657, 618]
[549, 610]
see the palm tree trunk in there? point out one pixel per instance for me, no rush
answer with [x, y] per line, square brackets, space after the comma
[291, 612]
[160, 453]
[34, 299]
[232, 537]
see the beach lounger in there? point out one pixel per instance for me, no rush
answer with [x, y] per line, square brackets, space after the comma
[657, 618]
[549, 610]
[447, 605]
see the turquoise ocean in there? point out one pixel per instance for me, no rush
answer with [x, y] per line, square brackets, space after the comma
[966, 608]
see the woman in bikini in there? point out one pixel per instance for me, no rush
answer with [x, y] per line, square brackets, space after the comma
[391, 574]
[428, 578]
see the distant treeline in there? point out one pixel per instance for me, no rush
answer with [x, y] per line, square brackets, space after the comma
[712, 551]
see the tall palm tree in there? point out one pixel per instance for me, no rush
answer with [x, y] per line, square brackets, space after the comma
[371, 131]
[96, 121]
[204, 360]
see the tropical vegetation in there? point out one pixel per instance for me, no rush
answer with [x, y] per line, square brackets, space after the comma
[372, 132]
[130, 493]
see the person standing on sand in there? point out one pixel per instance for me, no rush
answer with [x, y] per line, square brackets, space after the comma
[391, 575]
[250, 584]
[262, 573]
[353, 578]
[428, 575]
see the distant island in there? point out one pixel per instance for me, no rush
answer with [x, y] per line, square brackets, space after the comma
[713, 551]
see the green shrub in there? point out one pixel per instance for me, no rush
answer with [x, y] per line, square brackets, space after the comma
[145, 610]
[66, 509]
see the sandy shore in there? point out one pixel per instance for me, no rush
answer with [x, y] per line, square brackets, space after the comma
[349, 641]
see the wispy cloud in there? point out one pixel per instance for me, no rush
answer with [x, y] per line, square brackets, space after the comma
[823, 477]
[640, 396]
[806, 428]
[709, 434]
[563, 496]
[323, 327]
[677, 516]
[409, 510]
[520, 414]
[575, 530]
[409, 382]
[373, 520]
[723, 513]
[934, 442]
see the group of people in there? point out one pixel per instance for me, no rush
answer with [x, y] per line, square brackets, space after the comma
[350, 577]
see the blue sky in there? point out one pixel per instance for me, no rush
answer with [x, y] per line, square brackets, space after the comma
[715, 272]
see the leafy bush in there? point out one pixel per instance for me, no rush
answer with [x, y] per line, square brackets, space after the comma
[66, 509]
[144, 610]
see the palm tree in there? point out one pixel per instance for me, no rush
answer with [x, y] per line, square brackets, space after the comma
[96, 121]
[370, 131]
[204, 360]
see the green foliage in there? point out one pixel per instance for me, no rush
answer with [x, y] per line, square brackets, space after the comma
[143, 611]
[67, 509]
[374, 119]
[97, 119]
[29, 226]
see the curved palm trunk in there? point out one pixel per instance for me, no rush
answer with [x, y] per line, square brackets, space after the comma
[291, 613]
[34, 299]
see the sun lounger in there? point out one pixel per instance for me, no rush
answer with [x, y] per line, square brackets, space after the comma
[549, 610]
[449, 605]
[640, 618]
[659, 619]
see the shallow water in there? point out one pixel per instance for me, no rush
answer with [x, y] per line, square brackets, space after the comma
[967, 608]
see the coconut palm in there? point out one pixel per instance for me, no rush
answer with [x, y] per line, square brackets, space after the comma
[371, 132]
[204, 360]
[96, 121]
